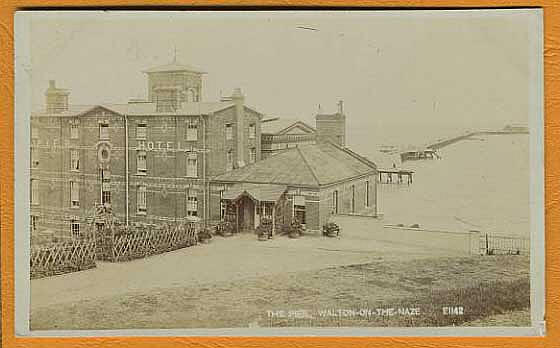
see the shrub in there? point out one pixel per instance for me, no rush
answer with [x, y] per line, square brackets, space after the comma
[204, 234]
[331, 229]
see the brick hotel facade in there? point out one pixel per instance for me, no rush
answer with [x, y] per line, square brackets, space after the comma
[154, 160]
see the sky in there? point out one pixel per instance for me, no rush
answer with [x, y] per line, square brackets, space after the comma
[394, 70]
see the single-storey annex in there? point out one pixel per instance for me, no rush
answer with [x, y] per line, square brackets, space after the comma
[308, 183]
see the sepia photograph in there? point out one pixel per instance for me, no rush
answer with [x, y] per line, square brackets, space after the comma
[279, 170]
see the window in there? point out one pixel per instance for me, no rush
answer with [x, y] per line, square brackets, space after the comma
[252, 155]
[34, 158]
[74, 160]
[268, 210]
[192, 166]
[105, 187]
[141, 203]
[141, 131]
[299, 208]
[222, 206]
[367, 194]
[74, 131]
[353, 189]
[74, 194]
[335, 202]
[34, 223]
[141, 163]
[229, 160]
[192, 203]
[192, 130]
[34, 191]
[75, 228]
[106, 195]
[103, 131]
[252, 131]
[229, 131]
[34, 133]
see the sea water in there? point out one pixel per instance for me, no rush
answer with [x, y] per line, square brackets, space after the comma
[481, 183]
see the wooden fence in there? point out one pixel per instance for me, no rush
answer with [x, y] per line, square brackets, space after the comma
[146, 241]
[493, 244]
[63, 257]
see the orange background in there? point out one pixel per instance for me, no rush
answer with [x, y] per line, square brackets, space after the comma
[552, 189]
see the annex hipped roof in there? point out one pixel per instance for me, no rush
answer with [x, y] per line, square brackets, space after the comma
[259, 192]
[306, 165]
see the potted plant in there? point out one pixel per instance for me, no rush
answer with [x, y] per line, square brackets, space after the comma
[262, 233]
[295, 229]
[204, 235]
[331, 229]
[224, 229]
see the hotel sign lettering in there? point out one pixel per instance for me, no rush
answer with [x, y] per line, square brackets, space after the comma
[167, 146]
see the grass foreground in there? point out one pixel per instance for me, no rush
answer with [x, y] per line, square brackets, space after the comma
[445, 291]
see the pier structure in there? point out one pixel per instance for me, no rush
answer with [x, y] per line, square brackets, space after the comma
[400, 176]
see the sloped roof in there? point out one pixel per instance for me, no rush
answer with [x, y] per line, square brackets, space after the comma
[190, 109]
[146, 109]
[260, 192]
[174, 66]
[284, 125]
[306, 165]
[78, 110]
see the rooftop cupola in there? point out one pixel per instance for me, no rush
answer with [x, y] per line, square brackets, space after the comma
[185, 79]
[56, 98]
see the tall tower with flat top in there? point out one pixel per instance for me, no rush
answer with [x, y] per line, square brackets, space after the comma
[332, 127]
[174, 83]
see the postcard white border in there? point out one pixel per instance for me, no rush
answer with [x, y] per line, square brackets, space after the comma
[21, 193]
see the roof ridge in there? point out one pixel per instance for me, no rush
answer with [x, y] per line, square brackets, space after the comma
[354, 154]
[294, 125]
[308, 166]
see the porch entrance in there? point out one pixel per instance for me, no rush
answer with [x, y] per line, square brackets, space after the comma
[246, 214]
[248, 206]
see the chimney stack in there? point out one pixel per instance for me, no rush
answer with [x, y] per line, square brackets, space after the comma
[239, 99]
[341, 107]
[56, 98]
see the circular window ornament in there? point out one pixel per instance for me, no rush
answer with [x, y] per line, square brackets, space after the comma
[104, 153]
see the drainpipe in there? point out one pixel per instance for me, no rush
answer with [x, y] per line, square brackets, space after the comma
[126, 166]
[206, 183]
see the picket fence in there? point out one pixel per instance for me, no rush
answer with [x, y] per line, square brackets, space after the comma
[151, 241]
[63, 257]
[113, 244]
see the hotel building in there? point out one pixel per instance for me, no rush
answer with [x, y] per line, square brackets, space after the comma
[175, 157]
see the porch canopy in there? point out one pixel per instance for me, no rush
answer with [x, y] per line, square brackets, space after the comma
[257, 192]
